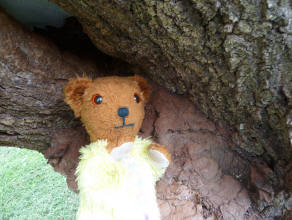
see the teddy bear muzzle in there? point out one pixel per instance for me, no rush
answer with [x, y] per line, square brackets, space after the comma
[123, 113]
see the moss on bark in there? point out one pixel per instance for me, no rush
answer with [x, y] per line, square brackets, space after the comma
[233, 58]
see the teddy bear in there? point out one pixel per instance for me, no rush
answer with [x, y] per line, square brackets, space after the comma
[118, 170]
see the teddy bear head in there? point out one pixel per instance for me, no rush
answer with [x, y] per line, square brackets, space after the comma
[110, 108]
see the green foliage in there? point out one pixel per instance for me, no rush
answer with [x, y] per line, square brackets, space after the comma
[30, 189]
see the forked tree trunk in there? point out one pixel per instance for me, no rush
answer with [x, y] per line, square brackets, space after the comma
[233, 59]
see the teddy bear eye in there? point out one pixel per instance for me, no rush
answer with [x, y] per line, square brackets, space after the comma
[136, 98]
[96, 99]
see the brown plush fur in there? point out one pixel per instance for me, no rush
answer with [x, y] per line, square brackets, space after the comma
[100, 120]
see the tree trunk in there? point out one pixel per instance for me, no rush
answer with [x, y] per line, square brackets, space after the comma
[232, 59]
[33, 73]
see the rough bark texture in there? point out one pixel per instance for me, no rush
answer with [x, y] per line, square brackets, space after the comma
[233, 58]
[33, 73]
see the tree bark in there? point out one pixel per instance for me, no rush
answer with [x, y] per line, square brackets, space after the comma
[33, 73]
[232, 58]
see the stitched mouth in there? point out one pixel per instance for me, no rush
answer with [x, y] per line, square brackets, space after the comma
[124, 124]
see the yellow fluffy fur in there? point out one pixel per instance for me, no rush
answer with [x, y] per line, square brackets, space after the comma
[120, 185]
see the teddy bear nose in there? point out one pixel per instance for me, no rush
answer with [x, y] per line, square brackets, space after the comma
[123, 112]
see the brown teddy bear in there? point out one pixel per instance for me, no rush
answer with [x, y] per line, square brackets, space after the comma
[117, 171]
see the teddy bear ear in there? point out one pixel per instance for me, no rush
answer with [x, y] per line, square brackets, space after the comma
[74, 91]
[144, 86]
